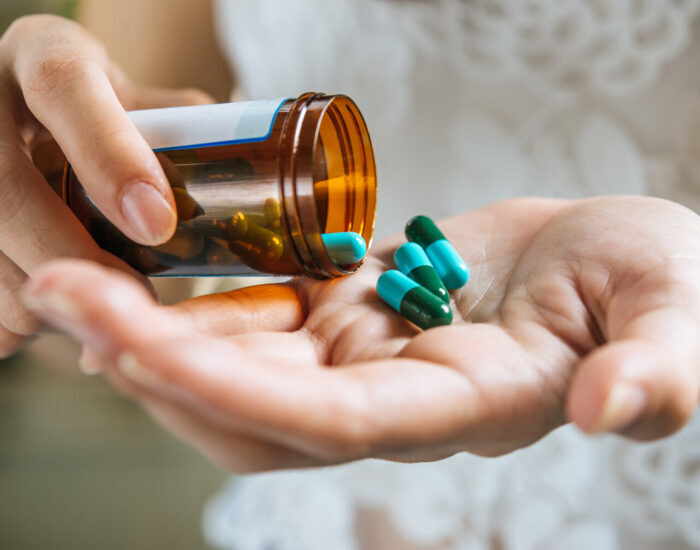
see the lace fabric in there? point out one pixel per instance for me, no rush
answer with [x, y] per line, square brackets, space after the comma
[470, 102]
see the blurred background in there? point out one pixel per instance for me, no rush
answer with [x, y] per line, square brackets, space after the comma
[80, 466]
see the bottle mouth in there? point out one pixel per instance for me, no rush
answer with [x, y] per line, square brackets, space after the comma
[329, 182]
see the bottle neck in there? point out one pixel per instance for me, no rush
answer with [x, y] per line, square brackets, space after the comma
[327, 178]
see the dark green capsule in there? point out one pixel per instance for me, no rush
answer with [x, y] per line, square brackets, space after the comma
[422, 230]
[411, 260]
[447, 262]
[414, 302]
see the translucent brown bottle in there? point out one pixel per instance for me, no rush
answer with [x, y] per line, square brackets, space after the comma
[256, 184]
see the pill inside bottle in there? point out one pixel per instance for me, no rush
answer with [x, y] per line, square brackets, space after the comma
[273, 187]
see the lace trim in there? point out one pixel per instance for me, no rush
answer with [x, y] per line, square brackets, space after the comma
[573, 46]
[570, 46]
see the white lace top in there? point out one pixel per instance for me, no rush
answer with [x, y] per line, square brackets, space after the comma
[468, 102]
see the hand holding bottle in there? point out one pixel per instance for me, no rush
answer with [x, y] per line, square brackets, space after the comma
[61, 94]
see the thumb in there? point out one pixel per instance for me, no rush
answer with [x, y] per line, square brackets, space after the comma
[644, 382]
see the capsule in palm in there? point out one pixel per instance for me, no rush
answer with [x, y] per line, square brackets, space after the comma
[447, 262]
[415, 303]
[411, 260]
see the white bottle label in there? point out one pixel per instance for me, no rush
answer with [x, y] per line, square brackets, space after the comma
[207, 125]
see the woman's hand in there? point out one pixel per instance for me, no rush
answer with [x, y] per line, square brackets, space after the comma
[60, 93]
[586, 311]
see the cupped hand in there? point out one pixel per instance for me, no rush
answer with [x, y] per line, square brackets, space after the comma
[584, 311]
[61, 94]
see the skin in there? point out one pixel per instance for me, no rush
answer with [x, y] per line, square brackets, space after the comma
[584, 311]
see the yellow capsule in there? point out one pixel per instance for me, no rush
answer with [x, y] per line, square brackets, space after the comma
[272, 211]
[183, 244]
[237, 226]
[187, 207]
[250, 240]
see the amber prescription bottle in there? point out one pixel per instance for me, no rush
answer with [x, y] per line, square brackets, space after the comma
[256, 185]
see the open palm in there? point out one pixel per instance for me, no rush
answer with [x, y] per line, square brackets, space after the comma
[586, 310]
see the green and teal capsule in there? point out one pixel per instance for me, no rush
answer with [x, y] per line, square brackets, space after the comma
[415, 303]
[447, 262]
[345, 248]
[411, 260]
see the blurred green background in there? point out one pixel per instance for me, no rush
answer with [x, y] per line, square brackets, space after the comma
[11, 9]
[80, 466]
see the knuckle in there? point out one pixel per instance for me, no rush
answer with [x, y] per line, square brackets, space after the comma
[57, 69]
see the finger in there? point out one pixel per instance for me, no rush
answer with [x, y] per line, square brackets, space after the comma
[271, 307]
[102, 307]
[91, 362]
[120, 309]
[644, 383]
[383, 407]
[62, 75]
[35, 224]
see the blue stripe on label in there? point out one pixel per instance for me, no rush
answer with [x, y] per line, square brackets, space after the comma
[196, 126]
[249, 121]
[410, 256]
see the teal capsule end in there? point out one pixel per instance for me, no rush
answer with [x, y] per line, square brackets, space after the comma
[392, 286]
[410, 256]
[345, 248]
[448, 263]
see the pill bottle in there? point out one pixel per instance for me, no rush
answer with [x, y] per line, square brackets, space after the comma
[256, 185]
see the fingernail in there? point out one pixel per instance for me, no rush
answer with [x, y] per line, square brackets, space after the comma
[90, 368]
[86, 367]
[132, 369]
[151, 217]
[624, 404]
